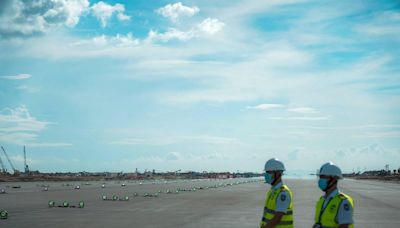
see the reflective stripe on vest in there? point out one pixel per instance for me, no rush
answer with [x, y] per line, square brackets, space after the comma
[270, 206]
[266, 210]
[327, 217]
[280, 223]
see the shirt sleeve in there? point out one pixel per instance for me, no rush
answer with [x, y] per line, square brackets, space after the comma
[283, 202]
[345, 213]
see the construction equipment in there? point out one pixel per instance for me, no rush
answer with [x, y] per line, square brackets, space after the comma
[3, 168]
[25, 165]
[9, 161]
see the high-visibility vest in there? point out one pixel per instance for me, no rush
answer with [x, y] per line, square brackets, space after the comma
[327, 217]
[270, 207]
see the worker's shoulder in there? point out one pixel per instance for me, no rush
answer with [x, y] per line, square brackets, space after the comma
[344, 196]
[346, 201]
[284, 188]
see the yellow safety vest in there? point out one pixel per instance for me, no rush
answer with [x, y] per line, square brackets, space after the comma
[270, 206]
[327, 217]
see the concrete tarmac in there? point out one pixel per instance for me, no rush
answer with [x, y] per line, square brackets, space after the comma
[377, 204]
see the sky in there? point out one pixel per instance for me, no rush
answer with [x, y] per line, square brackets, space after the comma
[223, 85]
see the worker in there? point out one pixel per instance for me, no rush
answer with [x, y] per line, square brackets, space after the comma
[278, 210]
[334, 209]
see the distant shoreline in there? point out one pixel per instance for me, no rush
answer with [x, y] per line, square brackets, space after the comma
[391, 179]
[45, 178]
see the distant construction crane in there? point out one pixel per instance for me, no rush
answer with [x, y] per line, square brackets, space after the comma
[9, 161]
[176, 172]
[25, 165]
[3, 168]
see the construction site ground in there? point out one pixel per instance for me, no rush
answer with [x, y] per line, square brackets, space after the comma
[377, 204]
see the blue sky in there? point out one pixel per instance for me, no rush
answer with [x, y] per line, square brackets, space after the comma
[200, 85]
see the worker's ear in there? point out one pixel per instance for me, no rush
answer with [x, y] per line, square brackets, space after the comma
[332, 181]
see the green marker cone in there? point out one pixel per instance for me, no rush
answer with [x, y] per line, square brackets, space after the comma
[65, 204]
[3, 214]
[51, 203]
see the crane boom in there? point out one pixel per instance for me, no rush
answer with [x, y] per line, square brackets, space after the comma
[3, 168]
[9, 161]
[26, 167]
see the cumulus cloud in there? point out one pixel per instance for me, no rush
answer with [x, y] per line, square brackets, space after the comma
[170, 34]
[104, 12]
[176, 11]
[17, 126]
[118, 40]
[20, 18]
[211, 25]
[20, 120]
[26, 18]
[16, 77]
[208, 26]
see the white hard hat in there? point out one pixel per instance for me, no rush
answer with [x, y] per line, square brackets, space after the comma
[330, 169]
[274, 164]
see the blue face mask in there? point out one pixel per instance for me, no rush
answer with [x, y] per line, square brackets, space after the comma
[268, 178]
[323, 184]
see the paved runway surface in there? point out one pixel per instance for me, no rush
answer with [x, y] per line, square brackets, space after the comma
[239, 205]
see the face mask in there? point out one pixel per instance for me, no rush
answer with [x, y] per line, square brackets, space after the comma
[323, 184]
[268, 178]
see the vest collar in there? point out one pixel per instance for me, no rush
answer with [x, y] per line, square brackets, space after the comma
[279, 185]
[332, 194]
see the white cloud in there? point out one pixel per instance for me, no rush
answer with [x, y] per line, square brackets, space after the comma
[104, 12]
[171, 34]
[210, 25]
[205, 139]
[26, 18]
[118, 40]
[212, 139]
[384, 24]
[305, 110]
[379, 135]
[175, 11]
[375, 127]
[17, 126]
[310, 118]
[141, 141]
[16, 77]
[19, 120]
[123, 17]
[46, 144]
[28, 89]
[376, 30]
[266, 106]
